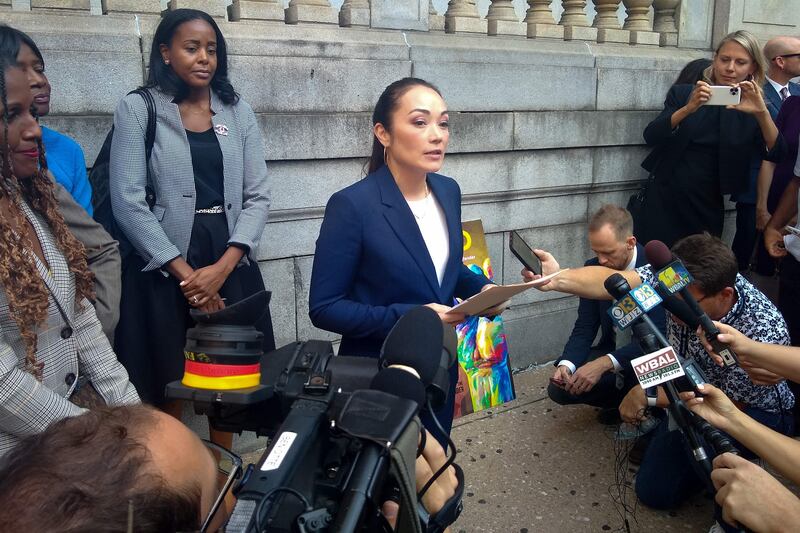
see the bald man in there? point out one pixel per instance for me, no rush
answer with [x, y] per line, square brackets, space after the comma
[783, 59]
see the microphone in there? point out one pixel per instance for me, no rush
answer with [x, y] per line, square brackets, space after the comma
[401, 383]
[674, 277]
[420, 341]
[618, 287]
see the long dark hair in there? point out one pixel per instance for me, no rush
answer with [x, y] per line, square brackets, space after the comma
[164, 78]
[386, 105]
[12, 39]
[25, 290]
[693, 72]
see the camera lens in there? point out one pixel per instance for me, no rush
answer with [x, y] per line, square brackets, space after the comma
[734, 90]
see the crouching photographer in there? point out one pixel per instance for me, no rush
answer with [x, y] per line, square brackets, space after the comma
[134, 468]
[748, 494]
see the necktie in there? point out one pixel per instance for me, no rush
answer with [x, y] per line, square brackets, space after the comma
[784, 93]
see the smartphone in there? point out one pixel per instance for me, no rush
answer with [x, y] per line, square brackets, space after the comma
[523, 252]
[724, 95]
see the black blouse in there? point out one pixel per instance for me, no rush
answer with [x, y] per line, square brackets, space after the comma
[207, 167]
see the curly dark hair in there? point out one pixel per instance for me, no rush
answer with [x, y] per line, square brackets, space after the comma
[93, 472]
[27, 294]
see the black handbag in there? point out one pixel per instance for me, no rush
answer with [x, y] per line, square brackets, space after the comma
[637, 201]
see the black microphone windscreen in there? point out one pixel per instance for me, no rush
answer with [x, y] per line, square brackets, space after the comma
[616, 285]
[401, 383]
[658, 255]
[416, 340]
[677, 307]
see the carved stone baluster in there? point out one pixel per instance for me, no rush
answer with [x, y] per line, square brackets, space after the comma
[540, 21]
[319, 11]
[215, 8]
[354, 13]
[607, 23]
[462, 16]
[255, 10]
[638, 22]
[575, 22]
[664, 21]
[503, 19]
[435, 20]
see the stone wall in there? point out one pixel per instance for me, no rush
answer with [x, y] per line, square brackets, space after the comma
[543, 130]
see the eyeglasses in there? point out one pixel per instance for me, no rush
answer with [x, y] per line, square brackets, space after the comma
[229, 467]
[786, 55]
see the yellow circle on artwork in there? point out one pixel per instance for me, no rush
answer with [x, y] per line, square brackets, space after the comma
[467, 240]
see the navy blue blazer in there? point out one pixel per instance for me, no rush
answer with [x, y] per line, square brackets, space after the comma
[371, 264]
[593, 314]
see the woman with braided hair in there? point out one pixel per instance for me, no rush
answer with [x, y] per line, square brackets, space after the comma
[49, 332]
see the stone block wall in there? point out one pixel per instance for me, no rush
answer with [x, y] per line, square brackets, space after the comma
[544, 131]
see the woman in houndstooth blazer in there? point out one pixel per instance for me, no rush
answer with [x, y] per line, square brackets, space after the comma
[196, 244]
[50, 333]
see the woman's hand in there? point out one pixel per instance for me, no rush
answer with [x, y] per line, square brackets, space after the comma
[736, 340]
[700, 95]
[716, 408]
[451, 319]
[497, 309]
[549, 266]
[751, 100]
[204, 283]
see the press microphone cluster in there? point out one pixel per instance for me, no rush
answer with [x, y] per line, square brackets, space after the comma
[674, 278]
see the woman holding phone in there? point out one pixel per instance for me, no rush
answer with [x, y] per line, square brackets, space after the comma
[704, 151]
[393, 240]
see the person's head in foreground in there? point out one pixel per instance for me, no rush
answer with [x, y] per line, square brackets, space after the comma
[109, 468]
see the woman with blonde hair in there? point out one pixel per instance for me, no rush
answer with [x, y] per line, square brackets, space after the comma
[701, 152]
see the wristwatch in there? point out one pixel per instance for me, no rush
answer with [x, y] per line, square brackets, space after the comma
[652, 396]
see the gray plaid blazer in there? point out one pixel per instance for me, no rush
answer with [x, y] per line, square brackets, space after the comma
[70, 343]
[163, 233]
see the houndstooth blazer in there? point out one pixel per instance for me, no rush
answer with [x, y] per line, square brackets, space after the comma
[163, 233]
[70, 343]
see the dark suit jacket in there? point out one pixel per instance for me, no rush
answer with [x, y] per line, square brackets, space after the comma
[593, 314]
[740, 141]
[371, 264]
[773, 99]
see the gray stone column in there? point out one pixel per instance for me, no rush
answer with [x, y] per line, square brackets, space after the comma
[664, 21]
[144, 7]
[462, 16]
[638, 22]
[607, 23]
[575, 22]
[540, 21]
[215, 8]
[502, 19]
[435, 20]
[319, 11]
[354, 13]
[255, 10]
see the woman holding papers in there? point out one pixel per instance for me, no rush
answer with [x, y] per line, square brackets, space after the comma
[392, 241]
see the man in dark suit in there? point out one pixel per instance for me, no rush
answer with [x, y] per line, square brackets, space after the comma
[601, 375]
[783, 55]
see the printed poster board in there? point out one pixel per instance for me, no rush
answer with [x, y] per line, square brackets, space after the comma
[484, 374]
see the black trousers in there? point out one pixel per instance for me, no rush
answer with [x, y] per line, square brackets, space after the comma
[744, 241]
[604, 394]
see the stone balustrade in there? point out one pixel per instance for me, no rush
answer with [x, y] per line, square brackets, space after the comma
[461, 16]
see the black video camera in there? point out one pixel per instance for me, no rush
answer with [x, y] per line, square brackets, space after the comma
[340, 426]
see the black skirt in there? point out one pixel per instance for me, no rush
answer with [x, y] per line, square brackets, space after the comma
[154, 314]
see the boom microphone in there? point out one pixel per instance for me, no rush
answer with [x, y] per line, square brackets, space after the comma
[419, 340]
[660, 257]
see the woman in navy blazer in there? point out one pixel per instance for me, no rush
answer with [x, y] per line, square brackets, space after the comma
[393, 241]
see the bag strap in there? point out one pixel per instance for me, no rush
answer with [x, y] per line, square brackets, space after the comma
[149, 140]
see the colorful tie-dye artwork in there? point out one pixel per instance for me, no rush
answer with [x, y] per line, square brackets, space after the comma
[484, 374]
